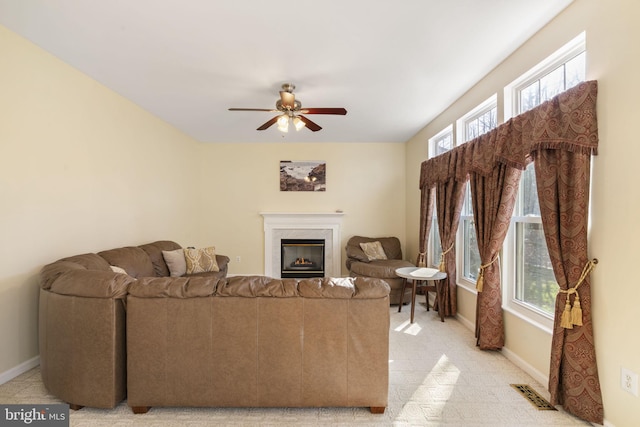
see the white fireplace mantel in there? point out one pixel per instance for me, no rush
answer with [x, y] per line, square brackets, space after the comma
[302, 225]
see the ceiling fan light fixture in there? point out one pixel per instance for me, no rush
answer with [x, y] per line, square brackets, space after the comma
[290, 111]
[299, 124]
[283, 123]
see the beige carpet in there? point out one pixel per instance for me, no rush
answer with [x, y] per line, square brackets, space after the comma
[437, 377]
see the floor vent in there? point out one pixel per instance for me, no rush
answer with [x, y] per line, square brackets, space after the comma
[532, 396]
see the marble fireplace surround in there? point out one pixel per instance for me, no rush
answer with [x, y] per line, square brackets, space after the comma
[307, 225]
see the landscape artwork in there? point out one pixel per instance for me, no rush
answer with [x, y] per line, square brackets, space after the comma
[303, 175]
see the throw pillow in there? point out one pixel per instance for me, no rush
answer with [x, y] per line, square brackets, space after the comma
[176, 262]
[201, 260]
[373, 250]
[117, 269]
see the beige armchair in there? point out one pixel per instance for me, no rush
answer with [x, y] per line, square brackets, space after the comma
[360, 264]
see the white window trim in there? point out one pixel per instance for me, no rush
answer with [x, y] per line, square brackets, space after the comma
[461, 133]
[528, 313]
[556, 59]
[462, 280]
[461, 123]
[438, 136]
[434, 233]
[508, 266]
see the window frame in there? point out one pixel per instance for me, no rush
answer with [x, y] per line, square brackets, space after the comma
[525, 311]
[466, 217]
[561, 56]
[433, 245]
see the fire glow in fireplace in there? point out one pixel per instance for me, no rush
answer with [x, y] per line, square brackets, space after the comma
[302, 258]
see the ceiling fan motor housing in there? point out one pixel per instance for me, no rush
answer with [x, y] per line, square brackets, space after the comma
[297, 105]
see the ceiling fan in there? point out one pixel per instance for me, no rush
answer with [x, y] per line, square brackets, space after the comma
[290, 111]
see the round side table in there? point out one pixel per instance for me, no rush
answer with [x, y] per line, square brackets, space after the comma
[405, 273]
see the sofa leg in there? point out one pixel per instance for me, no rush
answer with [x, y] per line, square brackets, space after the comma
[377, 409]
[75, 407]
[140, 409]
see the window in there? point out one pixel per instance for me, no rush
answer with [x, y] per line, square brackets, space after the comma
[530, 284]
[478, 121]
[439, 144]
[442, 142]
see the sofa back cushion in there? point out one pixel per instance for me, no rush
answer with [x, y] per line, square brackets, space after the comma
[134, 260]
[154, 250]
[89, 261]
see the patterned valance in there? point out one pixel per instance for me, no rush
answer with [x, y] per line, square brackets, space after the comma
[567, 122]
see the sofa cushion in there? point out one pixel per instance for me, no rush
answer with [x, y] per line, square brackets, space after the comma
[89, 261]
[117, 269]
[133, 259]
[154, 250]
[174, 287]
[391, 246]
[373, 250]
[257, 286]
[382, 269]
[176, 263]
[201, 260]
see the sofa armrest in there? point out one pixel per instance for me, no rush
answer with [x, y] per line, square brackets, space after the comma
[91, 284]
[223, 262]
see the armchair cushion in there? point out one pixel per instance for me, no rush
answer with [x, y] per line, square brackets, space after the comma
[373, 250]
[381, 269]
[390, 245]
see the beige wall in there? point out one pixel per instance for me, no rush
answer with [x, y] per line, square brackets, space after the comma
[365, 180]
[613, 58]
[81, 169]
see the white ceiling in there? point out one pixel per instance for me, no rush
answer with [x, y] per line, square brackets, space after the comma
[394, 65]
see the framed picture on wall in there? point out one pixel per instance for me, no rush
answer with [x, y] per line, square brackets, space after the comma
[303, 175]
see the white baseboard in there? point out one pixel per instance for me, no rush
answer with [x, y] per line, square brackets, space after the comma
[520, 363]
[513, 357]
[19, 370]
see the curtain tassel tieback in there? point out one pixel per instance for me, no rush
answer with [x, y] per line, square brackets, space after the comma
[480, 281]
[422, 259]
[572, 315]
[442, 255]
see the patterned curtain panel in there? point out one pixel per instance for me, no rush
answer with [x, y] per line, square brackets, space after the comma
[563, 189]
[493, 197]
[560, 135]
[427, 196]
[449, 197]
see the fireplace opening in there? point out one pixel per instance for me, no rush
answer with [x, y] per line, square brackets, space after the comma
[301, 258]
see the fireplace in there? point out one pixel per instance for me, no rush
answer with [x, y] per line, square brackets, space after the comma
[301, 258]
[309, 226]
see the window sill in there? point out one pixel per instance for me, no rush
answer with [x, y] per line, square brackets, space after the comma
[529, 320]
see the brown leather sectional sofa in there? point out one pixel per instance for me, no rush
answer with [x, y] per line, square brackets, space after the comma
[208, 340]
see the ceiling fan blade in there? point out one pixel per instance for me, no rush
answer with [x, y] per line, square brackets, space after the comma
[288, 99]
[338, 111]
[311, 125]
[253, 109]
[269, 123]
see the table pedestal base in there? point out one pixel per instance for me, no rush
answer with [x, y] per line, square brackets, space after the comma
[436, 287]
